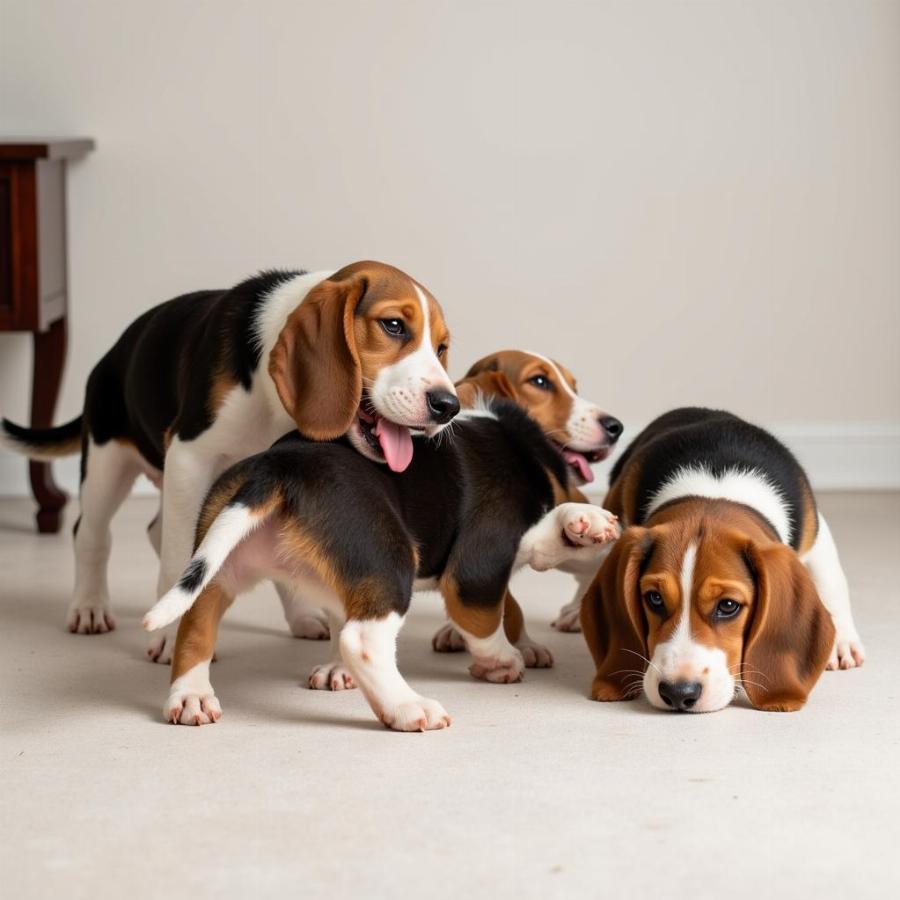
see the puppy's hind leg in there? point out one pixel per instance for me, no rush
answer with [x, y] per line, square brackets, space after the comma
[304, 619]
[369, 647]
[568, 618]
[192, 700]
[828, 575]
[110, 470]
[154, 532]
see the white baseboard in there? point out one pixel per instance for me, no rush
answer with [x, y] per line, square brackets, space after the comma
[853, 456]
[848, 457]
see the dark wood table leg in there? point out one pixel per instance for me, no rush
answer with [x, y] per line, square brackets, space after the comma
[49, 358]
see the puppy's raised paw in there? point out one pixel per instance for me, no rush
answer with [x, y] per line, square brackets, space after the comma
[585, 525]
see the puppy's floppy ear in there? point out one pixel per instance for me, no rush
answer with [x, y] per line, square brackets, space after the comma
[315, 364]
[791, 635]
[488, 384]
[485, 364]
[612, 618]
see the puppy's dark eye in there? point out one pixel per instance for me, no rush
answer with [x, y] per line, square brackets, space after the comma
[393, 327]
[441, 350]
[654, 601]
[542, 382]
[727, 609]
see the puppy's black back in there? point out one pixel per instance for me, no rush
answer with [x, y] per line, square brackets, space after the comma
[719, 442]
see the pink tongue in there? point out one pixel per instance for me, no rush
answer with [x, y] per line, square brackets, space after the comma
[396, 444]
[577, 460]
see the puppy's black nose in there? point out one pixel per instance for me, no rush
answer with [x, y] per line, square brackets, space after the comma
[680, 695]
[442, 406]
[613, 428]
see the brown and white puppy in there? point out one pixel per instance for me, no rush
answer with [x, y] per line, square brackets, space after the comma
[358, 536]
[726, 576]
[547, 390]
[582, 433]
[209, 378]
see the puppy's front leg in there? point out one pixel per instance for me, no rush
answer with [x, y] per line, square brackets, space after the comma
[188, 475]
[571, 533]
[480, 622]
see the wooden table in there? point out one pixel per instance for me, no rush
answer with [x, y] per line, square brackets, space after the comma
[34, 279]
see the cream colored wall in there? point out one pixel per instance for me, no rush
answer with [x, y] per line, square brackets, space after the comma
[686, 202]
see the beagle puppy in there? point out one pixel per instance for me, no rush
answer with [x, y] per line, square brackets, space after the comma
[209, 378]
[726, 575]
[359, 537]
[582, 433]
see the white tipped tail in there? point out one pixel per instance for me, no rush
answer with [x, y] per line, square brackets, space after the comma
[230, 527]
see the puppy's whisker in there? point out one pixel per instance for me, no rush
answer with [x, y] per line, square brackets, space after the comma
[644, 658]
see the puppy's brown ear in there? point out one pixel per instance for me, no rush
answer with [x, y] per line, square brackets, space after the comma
[486, 384]
[485, 364]
[791, 634]
[613, 621]
[315, 364]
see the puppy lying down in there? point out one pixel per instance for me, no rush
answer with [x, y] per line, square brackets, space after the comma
[357, 537]
[727, 575]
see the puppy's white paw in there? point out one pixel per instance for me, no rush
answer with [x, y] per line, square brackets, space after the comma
[585, 525]
[569, 617]
[192, 708]
[535, 656]
[416, 714]
[85, 617]
[331, 676]
[848, 651]
[447, 639]
[506, 670]
[310, 627]
[160, 646]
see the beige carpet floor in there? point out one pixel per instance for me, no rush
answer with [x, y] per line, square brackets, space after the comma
[534, 791]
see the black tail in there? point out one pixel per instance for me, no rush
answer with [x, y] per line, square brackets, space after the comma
[42, 443]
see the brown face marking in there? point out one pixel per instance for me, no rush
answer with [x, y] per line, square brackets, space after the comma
[721, 532]
[549, 408]
[391, 294]
[332, 345]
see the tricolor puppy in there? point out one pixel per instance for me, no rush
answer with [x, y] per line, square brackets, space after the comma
[726, 577]
[357, 537]
[582, 433]
[206, 379]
